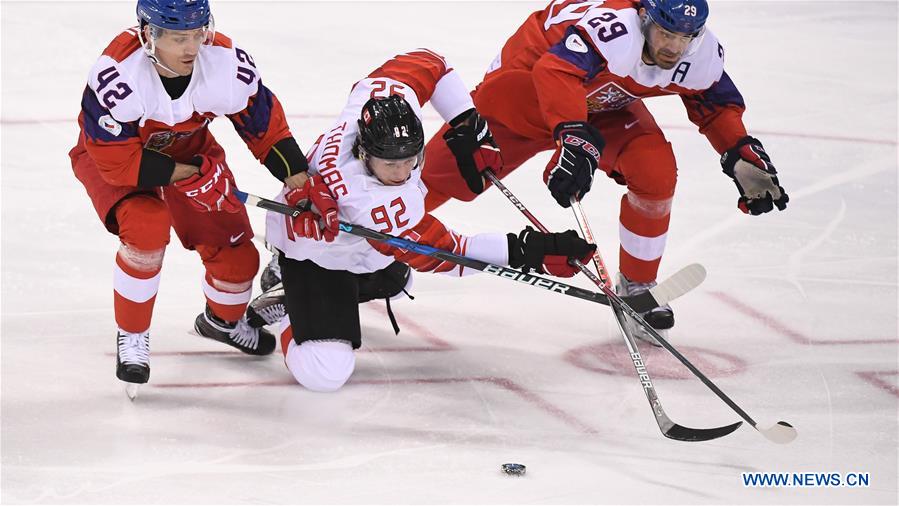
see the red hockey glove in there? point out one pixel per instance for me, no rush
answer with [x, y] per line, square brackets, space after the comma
[570, 171]
[211, 189]
[472, 144]
[308, 224]
[548, 253]
[429, 231]
[751, 169]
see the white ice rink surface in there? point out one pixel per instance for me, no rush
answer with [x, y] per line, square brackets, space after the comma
[797, 320]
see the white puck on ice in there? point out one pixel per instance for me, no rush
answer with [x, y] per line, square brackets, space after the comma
[514, 469]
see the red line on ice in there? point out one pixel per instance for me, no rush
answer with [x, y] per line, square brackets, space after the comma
[820, 137]
[874, 378]
[436, 344]
[504, 383]
[783, 329]
[427, 335]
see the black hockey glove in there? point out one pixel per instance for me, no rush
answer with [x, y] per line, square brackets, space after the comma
[751, 169]
[472, 144]
[548, 253]
[570, 171]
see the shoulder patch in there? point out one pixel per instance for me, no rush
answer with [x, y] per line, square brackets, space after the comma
[110, 125]
[575, 43]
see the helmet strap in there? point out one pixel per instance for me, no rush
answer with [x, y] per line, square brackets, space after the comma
[149, 46]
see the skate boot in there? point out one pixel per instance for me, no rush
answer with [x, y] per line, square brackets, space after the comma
[661, 318]
[133, 357]
[238, 334]
[268, 308]
[271, 275]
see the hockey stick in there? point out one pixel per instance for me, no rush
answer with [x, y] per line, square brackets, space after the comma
[645, 302]
[669, 289]
[781, 432]
[669, 429]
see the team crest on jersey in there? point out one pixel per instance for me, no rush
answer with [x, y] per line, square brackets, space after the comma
[159, 141]
[608, 97]
[110, 125]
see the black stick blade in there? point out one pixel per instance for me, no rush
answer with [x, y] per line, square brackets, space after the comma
[681, 433]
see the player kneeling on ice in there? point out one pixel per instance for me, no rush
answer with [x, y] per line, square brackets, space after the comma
[370, 163]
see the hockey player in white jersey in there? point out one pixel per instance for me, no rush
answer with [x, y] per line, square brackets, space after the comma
[370, 162]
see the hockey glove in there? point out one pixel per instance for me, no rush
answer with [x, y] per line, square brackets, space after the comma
[211, 189]
[751, 169]
[548, 253]
[429, 231]
[472, 144]
[324, 225]
[570, 170]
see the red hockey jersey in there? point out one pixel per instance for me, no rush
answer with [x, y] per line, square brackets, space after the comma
[585, 57]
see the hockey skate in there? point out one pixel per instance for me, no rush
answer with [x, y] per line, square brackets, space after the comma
[268, 308]
[271, 275]
[238, 334]
[661, 318]
[133, 360]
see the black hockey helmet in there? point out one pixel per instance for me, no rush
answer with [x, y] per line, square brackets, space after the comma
[390, 129]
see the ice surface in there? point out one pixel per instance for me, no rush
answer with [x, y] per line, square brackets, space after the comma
[797, 320]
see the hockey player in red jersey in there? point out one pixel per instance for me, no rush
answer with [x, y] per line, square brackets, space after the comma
[370, 161]
[149, 162]
[572, 80]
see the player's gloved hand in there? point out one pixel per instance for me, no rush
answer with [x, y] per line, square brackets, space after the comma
[548, 253]
[429, 231]
[570, 171]
[751, 169]
[213, 188]
[326, 224]
[472, 144]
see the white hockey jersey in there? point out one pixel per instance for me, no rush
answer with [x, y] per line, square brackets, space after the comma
[362, 199]
[125, 107]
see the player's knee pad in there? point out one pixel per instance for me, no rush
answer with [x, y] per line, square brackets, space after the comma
[144, 222]
[392, 282]
[649, 167]
[231, 268]
[321, 366]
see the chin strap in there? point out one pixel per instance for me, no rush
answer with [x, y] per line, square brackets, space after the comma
[151, 51]
[149, 45]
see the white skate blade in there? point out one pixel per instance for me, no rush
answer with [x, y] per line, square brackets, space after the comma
[780, 433]
[131, 390]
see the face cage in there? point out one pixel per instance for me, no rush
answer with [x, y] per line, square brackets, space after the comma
[365, 158]
[692, 47]
[157, 31]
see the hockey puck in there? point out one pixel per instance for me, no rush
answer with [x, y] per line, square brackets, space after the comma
[514, 469]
